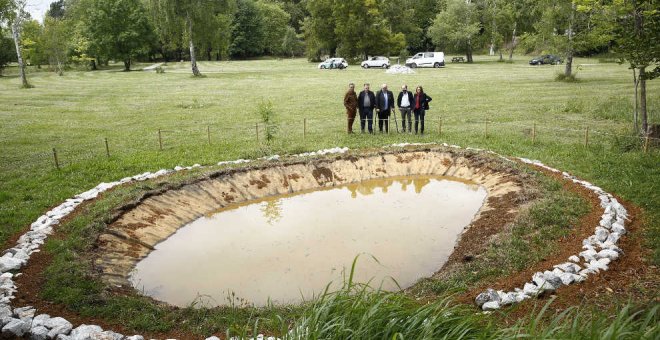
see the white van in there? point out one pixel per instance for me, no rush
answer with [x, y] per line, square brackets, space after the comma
[426, 59]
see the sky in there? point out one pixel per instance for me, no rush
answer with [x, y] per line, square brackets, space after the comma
[38, 8]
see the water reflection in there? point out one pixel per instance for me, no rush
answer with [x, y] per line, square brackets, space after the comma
[283, 248]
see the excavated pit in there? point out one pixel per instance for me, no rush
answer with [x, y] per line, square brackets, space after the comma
[280, 233]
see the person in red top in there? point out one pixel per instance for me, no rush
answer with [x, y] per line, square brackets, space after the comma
[421, 101]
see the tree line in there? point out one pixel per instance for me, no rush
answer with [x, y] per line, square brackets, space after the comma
[92, 32]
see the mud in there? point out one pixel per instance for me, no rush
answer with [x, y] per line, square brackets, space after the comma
[140, 226]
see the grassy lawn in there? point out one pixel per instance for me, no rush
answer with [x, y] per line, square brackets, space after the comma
[487, 105]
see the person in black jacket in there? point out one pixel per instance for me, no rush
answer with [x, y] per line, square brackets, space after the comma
[385, 104]
[405, 103]
[420, 105]
[366, 104]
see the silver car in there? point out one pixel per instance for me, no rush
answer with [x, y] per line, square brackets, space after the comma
[381, 62]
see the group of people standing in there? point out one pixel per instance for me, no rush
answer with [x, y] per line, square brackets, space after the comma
[383, 102]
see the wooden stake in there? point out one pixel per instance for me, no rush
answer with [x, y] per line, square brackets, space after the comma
[440, 127]
[160, 140]
[304, 129]
[586, 137]
[256, 128]
[57, 162]
[208, 133]
[646, 143]
[534, 134]
[107, 149]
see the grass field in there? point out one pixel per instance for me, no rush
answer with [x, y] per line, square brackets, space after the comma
[487, 105]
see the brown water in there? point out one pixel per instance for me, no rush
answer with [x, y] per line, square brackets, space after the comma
[288, 248]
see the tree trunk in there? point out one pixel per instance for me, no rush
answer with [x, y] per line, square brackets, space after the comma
[501, 56]
[60, 68]
[468, 54]
[642, 100]
[513, 41]
[16, 34]
[636, 112]
[127, 65]
[92, 64]
[193, 59]
[569, 52]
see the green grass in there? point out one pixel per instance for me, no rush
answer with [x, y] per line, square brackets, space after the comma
[74, 114]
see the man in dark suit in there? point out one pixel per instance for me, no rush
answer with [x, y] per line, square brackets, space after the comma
[366, 104]
[385, 102]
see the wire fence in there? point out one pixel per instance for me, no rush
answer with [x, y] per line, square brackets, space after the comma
[305, 132]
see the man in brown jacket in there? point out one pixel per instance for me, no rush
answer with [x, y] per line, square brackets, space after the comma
[351, 103]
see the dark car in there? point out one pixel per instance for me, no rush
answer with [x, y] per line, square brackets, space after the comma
[546, 59]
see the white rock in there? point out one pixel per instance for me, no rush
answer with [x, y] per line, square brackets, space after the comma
[618, 228]
[488, 295]
[613, 237]
[38, 333]
[213, 338]
[567, 278]
[589, 255]
[5, 312]
[25, 312]
[15, 328]
[552, 278]
[540, 281]
[506, 298]
[531, 289]
[58, 326]
[137, 337]
[9, 263]
[569, 267]
[607, 253]
[574, 259]
[490, 305]
[40, 320]
[602, 233]
[86, 332]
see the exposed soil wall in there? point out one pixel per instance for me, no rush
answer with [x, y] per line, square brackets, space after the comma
[139, 226]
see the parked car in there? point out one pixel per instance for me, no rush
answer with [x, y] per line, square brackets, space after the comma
[382, 62]
[329, 63]
[426, 59]
[546, 59]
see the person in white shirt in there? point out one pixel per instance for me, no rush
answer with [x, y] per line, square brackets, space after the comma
[404, 102]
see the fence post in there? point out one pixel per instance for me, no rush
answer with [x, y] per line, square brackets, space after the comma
[646, 143]
[57, 163]
[256, 128]
[160, 140]
[107, 149]
[534, 134]
[304, 129]
[586, 137]
[208, 133]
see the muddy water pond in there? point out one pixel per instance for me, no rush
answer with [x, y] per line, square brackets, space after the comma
[286, 249]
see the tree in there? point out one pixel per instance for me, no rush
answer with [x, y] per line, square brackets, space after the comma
[55, 42]
[291, 44]
[13, 13]
[277, 20]
[7, 53]
[32, 34]
[636, 32]
[186, 18]
[319, 29]
[117, 29]
[361, 30]
[456, 26]
[247, 31]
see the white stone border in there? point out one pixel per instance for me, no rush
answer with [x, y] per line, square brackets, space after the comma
[24, 321]
[599, 250]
